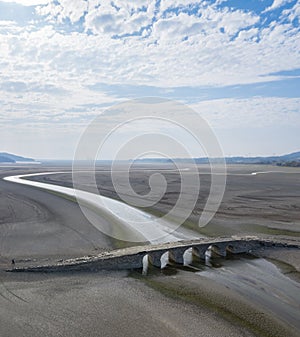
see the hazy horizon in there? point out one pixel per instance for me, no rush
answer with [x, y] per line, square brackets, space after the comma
[107, 159]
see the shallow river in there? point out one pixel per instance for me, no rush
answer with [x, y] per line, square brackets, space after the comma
[151, 228]
[261, 282]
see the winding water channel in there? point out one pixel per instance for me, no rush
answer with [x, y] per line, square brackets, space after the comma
[160, 230]
[262, 283]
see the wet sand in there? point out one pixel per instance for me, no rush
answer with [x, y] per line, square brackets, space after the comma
[203, 291]
[113, 304]
[287, 260]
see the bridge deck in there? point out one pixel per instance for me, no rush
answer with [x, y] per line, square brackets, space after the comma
[132, 257]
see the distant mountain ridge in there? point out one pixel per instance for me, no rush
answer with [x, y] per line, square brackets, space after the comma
[286, 159]
[11, 158]
[291, 159]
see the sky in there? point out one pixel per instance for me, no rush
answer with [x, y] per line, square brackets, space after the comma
[64, 62]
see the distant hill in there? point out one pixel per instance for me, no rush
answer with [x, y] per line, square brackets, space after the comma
[11, 158]
[292, 159]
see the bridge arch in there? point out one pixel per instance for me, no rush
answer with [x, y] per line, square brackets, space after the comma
[216, 250]
[176, 255]
[199, 251]
[155, 258]
[230, 249]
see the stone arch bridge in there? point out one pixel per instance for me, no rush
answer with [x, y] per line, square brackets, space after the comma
[133, 257]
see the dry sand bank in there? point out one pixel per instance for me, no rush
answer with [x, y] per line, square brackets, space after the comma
[100, 305]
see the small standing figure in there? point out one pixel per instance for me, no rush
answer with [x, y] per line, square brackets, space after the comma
[13, 263]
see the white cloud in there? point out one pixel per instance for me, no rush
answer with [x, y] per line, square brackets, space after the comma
[209, 47]
[256, 112]
[293, 13]
[28, 2]
[165, 4]
[277, 4]
[71, 45]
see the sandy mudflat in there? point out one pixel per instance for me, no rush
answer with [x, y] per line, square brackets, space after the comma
[266, 203]
[222, 300]
[113, 304]
[100, 305]
[36, 225]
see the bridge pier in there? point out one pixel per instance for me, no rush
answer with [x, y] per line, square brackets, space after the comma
[176, 255]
